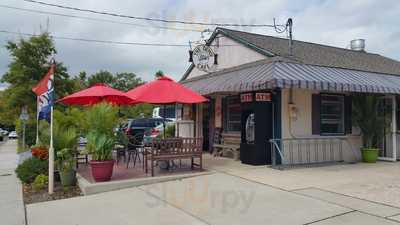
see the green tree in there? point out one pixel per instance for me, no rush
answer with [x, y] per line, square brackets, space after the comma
[29, 63]
[126, 81]
[80, 81]
[135, 111]
[120, 81]
[159, 73]
[102, 76]
[7, 114]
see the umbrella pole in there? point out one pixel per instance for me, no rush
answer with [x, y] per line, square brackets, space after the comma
[164, 120]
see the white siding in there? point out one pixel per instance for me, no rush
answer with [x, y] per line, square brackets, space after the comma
[230, 54]
[302, 126]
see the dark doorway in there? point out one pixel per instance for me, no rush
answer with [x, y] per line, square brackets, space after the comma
[256, 130]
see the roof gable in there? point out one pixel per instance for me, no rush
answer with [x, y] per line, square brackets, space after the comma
[232, 51]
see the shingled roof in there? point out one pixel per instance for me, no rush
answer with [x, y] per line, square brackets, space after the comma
[316, 54]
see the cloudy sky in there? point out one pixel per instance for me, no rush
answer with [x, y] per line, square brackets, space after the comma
[327, 22]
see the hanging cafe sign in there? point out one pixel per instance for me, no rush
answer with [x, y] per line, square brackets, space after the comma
[203, 58]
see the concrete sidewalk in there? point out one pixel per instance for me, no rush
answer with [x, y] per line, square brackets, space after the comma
[236, 194]
[215, 199]
[12, 210]
[211, 199]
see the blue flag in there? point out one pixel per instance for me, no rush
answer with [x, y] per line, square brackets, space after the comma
[46, 98]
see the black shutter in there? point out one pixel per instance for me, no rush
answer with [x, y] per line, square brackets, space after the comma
[316, 114]
[347, 114]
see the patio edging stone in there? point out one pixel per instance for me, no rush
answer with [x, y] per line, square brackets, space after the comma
[88, 188]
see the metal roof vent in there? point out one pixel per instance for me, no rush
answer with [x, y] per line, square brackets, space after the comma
[357, 45]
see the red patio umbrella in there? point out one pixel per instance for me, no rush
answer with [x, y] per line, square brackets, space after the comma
[164, 91]
[96, 94]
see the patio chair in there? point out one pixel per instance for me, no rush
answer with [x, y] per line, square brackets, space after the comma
[121, 145]
[135, 148]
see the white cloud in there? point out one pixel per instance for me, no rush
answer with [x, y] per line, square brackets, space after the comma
[327, 22]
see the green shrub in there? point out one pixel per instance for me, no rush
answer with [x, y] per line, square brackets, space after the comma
[30, 168]
[72, 117]
[170, 130]
[64, 138]
[101, 119]
[40, 182]
[66, 160]
[100, 146]
[367, 116]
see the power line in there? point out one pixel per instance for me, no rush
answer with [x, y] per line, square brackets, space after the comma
[99, 41]
[106, 41]
[152, 19]
[98, 19]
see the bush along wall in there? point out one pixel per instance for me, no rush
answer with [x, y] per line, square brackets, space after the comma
[30, 169]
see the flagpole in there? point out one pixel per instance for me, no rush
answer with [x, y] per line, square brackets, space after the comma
[51, 149]
[45, 89]
[37, 120]
[51, 155]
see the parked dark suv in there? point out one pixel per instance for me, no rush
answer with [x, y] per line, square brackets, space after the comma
[144, 126]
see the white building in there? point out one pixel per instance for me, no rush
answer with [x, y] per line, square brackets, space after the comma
[301, 103]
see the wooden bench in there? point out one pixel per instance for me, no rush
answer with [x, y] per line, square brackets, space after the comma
[174, 148]
[229, 144]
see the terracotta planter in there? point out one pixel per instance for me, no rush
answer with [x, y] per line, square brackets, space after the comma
[369, 155]
[102, 170]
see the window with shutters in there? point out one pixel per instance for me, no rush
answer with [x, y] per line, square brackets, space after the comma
[232, 115]
[332, 121]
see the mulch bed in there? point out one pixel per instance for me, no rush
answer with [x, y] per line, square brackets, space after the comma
[31, 196]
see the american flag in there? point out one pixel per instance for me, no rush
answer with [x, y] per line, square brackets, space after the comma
[45, 95]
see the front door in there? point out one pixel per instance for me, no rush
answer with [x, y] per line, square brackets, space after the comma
[256, 121]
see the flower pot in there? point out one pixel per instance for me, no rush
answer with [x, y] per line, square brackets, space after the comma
[102, 170]
[369, 155]
[68, 178]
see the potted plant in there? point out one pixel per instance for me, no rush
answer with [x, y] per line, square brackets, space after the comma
[100, 147]
[66, 165]
[65, 141]
[367, 117]
[101, 120]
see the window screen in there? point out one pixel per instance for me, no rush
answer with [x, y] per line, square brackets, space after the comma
[332, 114]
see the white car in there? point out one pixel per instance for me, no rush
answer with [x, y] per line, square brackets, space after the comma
[3, 132]
[158, 130]
[13, 135]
